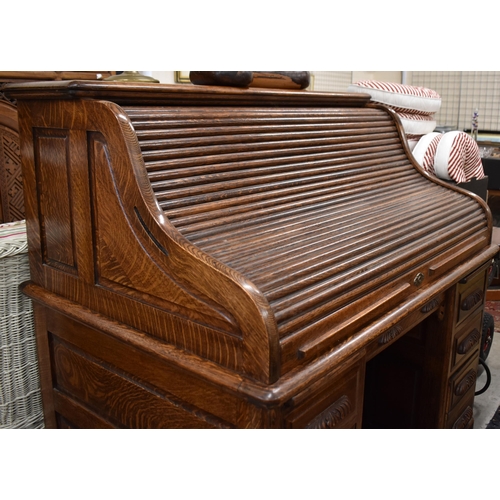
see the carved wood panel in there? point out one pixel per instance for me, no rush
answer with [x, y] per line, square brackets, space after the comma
[53, 176]
[11, 184]
[120, 399]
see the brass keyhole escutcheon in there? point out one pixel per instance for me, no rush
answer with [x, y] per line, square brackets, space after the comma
[417, 280]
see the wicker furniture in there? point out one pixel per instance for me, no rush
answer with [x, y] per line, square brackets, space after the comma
[20, 403]
[20, 397]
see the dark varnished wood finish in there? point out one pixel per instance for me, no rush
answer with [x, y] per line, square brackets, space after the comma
[269, 79]
[241, 257]
[184, 95]
[11, 182]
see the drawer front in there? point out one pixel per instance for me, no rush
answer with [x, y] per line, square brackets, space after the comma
[86, 387]
[334, 405]
[403, 326]
[462, 419]
[466, 340]
[471, 295]
[462, 384]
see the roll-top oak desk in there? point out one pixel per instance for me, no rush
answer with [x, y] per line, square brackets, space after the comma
[217, 257]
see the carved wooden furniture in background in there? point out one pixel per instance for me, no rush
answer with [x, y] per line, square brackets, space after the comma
[11, 184]
[218, 257]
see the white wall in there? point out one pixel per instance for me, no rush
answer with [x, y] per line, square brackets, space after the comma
[162, 76]
[383, 76]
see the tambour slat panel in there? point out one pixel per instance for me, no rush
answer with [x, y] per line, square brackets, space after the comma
[314, 242]
[317, 207]
[266, 210]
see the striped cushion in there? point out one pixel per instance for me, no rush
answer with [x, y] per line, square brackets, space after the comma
[412, 142]
[452, 156]
[404, 98]
[457, 158]
[425, 151]
[417, 125]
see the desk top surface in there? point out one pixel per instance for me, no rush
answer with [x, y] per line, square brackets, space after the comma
[166, 94]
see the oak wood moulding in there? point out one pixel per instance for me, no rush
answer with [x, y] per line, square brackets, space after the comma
[258, 245]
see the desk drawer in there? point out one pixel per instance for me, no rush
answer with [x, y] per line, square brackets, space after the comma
[471, 294]
[333, 404]
[463, 418]
[403, 326]
[462, 384]
[466, 340]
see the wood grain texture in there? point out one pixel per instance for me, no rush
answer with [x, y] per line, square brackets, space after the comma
[302, 204]
[29, 76]
[333, 415]
[466, 339]
[54, 198]
[120, 398]
[235, 257]
[11, 182]
[184, 95]
[465, 420]
[11, 179]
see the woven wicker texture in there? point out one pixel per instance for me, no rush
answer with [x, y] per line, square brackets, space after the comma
[20, 398]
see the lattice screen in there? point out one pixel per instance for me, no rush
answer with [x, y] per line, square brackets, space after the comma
[332, 81]
[481, 90]
[462, 92]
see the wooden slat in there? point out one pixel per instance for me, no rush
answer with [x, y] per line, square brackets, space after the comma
[317, 207]
[296, 192]
[254, 213]
[306, 242]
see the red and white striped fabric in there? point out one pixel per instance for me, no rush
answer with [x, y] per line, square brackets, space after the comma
[457, 158]
[400, 97]
[425, 151]
[452, 156]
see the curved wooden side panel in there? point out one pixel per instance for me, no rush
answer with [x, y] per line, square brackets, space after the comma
[119, 242]
[99, 238]
[192, 269]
